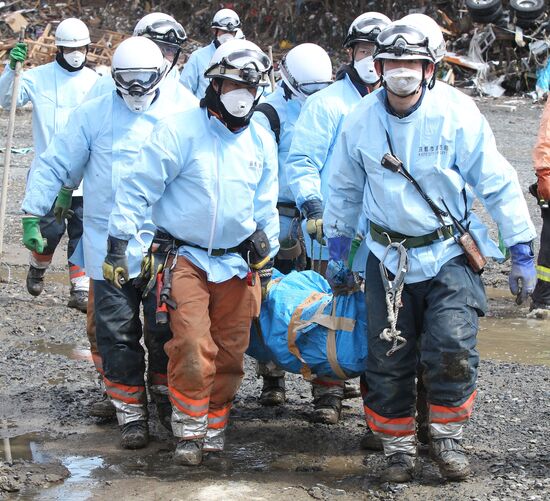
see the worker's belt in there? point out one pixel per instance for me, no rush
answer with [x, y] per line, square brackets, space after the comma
[378, 234]
[213, 252]
[287, 209]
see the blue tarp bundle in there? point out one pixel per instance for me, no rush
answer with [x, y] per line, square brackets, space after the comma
[305, 329]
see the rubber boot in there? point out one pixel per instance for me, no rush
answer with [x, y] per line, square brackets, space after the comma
[351, 390]
[103, 408]
[450, 457]
[327, 409]
[35, 280]
[189, 452]
[78, 299]
[370, 441]
[273, 391]
[134, 435]
[401, 468]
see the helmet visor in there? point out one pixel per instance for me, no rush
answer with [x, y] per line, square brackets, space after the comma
[402, 40]
[136, 81]
[166, 31]
[227, 24]
[368, 28]
[248, 58]
[309, 88]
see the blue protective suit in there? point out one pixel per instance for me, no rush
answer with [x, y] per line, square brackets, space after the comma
[54, 93]
[315, 134]
[100, 144]
[288, 112]
[207, 185]
[446, 144]
[192, 74]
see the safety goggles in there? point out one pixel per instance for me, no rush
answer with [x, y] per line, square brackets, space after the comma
[368, 28]
[403, 40]
[168, 50]
[227, 24]
[166, 31]
[306, 88]
[137, 81]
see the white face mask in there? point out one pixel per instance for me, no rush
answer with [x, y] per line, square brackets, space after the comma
[365, 70]
[75, 58]
[225, 37]
[402, 81]
[138, 104]
[238, 102]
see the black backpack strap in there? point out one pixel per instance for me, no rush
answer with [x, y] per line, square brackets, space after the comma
[273, 118]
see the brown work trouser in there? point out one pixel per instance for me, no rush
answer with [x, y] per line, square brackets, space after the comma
[211, 330]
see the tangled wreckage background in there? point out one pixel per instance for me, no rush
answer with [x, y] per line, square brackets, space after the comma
[496, 48]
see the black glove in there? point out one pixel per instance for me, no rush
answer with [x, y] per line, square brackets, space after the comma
[115, 266]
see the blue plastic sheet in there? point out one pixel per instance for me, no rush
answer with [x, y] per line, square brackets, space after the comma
[311, 327]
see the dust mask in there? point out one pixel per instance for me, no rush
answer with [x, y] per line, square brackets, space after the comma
[75, 58]
[402, 81]
[225, 37]
[365, 70]
[238, 102]
[139, 104]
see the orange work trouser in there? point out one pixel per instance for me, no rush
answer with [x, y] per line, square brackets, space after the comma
[211, 330]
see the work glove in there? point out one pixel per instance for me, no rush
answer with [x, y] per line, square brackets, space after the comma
[32, 238]
[340, 277]
[523, 276]
[265, 275]
[153, 264]
[62, 208]
[543, 188]
[115, 266]
[18, 54]
[313, 210]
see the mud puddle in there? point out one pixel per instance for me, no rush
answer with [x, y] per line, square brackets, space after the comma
[65, 349]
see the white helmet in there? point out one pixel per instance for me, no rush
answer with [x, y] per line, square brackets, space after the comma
[404, 40]
[137, 69]
[226, 20]
[240, 61]
[432, 30]
[306, 69]
[366, 28]
[72, 32]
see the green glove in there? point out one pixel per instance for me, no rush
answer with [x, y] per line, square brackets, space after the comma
[115, 266]
[505, 251]
[32, 238]
[355, 243]
[62, 208]
[18, 54]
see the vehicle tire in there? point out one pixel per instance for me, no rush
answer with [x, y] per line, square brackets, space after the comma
[483, 7]
[527, 9]
[489, 18]
[525, 23]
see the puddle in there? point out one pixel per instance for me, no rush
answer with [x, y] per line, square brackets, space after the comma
[64, 349]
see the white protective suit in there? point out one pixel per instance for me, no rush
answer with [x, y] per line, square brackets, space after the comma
[192, 74]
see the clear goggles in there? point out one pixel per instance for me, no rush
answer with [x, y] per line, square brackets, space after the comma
[166, 31]
[306, 88]
[137, 81]
[227, 24]
[367, 28]
[403, 40]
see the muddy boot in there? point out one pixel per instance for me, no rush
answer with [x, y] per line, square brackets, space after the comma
[189, 452]
[351, 390]
[327, 409]
[370, 441]
[103, 408]
[273, 391]
[35, 280]
[214, 441]
[78, 300]
[134, 435]
[401, 468]
[451, 458]
[164, 411]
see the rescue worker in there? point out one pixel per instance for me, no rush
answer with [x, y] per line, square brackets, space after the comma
[55, 89]
[541, 159]
[305, 70]
[169, 36]
[307, 165]
[442, 140]
[100, 144]
[225, 26]
[213, 188]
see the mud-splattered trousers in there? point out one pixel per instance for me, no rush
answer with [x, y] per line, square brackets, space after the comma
[541, 294]
[439, 320]
[118, 333]
[211, 330]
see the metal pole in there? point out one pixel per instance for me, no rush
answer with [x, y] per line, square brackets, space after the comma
[7, 156]
[272, 72]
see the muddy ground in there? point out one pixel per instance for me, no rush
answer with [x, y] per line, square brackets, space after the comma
[47, 383]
